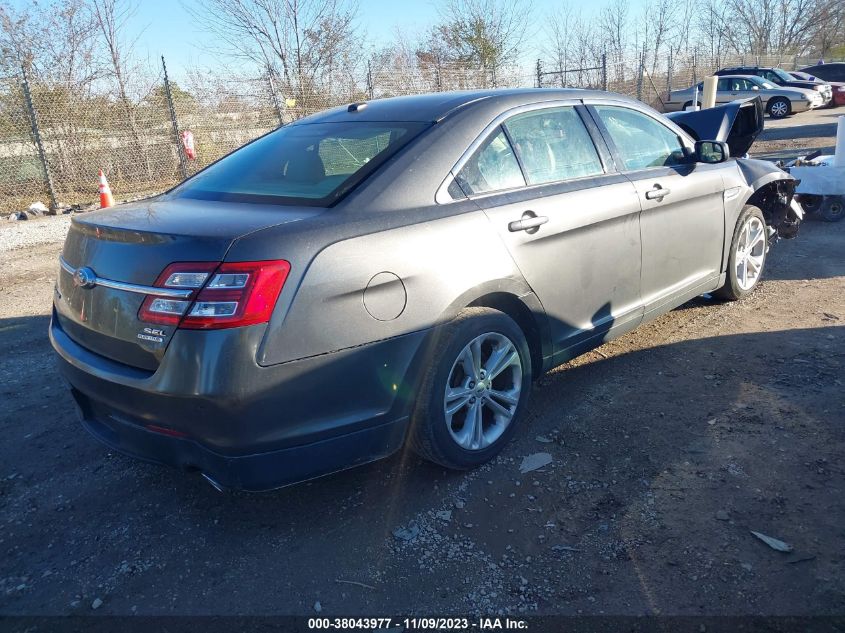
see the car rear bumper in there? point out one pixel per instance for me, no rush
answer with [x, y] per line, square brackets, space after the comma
[245, 426]
[256, 472]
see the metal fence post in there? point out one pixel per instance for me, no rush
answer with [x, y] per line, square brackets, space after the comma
[370, 90]
[539, 73]
[640, 77]
[604, 71]
[694, 72]
[36, 135]
[669, 73]
[183, 167]
[273, 96]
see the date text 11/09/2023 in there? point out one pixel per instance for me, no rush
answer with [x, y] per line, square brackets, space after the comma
[419, 624]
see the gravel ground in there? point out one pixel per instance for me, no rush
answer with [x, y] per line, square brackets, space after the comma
[668, 447]
[33, 232]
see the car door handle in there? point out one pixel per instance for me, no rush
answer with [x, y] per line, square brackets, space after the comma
[529, 222]
[658, 193]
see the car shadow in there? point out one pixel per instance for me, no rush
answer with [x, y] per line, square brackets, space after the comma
[798, 131]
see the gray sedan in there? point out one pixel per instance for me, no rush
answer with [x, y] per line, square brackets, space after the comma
[395, 273]
[778, 101]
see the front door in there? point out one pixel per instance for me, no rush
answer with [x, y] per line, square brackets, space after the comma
[683, 215]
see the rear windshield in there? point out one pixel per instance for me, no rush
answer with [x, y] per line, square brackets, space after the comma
[312, 164]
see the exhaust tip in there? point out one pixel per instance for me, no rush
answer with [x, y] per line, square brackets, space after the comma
[214, 483]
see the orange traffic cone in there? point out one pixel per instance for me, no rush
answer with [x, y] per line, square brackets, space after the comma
[106, 199]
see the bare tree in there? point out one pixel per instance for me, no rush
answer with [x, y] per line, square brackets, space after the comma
[614, 30]
[53, 44]
[830, 29]
[771, 26]
[486, 33]
[305, 42]
[112, 18]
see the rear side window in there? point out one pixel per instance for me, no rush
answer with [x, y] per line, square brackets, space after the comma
[493, 167]
[310, 164]
[641, 141]
[553, 145]
[723, 84]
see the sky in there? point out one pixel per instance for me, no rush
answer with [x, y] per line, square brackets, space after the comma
[168, 29]
[165, 27]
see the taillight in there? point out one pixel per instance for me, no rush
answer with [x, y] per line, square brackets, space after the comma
[182, 276]
[227, 295]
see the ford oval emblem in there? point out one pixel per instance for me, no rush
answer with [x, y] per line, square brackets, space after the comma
[84, 278]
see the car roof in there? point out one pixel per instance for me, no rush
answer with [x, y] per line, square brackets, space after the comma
[740, 76]
[435, 106]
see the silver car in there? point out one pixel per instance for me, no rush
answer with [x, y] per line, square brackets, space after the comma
[395, 272]
[778, 101]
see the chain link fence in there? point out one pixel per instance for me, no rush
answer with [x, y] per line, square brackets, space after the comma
[53, 140]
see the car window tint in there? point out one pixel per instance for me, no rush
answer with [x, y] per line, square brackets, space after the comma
[640, 140]
[493, 167]
[301, 163]
[553, 145]
[724, 84]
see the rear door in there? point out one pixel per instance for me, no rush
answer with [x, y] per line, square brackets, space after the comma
[570, 223]
[682, 220]
[724, 89]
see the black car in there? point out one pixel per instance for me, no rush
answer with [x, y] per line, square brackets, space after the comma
[780, 77]
[828, 72]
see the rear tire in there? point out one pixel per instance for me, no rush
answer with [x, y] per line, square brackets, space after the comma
[749, 247]
[779, 107]
[833, 208]
[448, 429]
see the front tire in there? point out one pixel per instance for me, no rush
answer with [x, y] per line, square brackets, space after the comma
[779, 107]
[474, 392]
[749, 247]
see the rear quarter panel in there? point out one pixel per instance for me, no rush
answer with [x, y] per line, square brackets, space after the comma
[433, 269]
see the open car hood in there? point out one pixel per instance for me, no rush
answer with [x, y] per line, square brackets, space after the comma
[737, 123]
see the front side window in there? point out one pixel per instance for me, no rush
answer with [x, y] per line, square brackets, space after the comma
[493, 167]
[553, 145]
[723, 84]
[311, 164]
[641, 141]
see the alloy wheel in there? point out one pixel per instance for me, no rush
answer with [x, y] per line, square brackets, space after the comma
[483, 391]
[750, 253]
[779, 109]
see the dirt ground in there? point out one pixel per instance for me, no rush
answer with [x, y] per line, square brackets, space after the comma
[669, 446]
[799, 134]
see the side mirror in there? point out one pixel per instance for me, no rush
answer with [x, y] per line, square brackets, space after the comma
[755, 87]
[711, 152]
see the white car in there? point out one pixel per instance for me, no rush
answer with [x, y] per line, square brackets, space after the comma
[779, 101]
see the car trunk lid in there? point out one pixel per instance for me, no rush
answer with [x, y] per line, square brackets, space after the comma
[129, 246]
